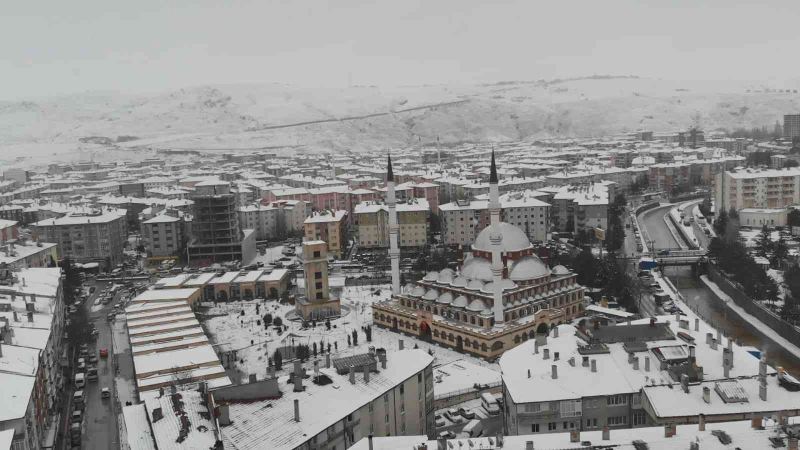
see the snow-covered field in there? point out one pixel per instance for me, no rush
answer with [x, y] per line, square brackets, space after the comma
[255, 344]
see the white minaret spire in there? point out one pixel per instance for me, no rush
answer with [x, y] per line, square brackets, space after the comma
[394, 228]
[496, 239]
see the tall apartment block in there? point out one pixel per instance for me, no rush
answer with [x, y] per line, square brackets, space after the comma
[791, 126]
[97, 236]
[216, 236]
[754, 188]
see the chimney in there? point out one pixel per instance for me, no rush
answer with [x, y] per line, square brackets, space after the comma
[647, 364]
[696, 324]
[366, 373]
[701, 422]
[706, 394]
[382, 358]
[296, 410]
[652, 322]
[298, 377]
[555, 331]
[554, 372]
[252, 378]
[352, 374]
[792, 443]
[30, 317]
[1, 355]
[574, 436]
[224, 416]
[369, 440]
[327, 360]
[685, 383]
[714, 343]
[555, 356]
[630, 357]
[528, 445]
[669, 430]
[571, 361]
[636, 363]
[762, 367]
[546, 354]
[585, 361]
[719, 335]
[535, 346]
[709, 337]
[529, 373]
[757, 423]
[596, 324]
[762, 390]
[594, 365]
[316, 368]
[400, 344]
[606, 433]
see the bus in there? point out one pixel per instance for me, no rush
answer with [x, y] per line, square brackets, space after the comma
[489, 403]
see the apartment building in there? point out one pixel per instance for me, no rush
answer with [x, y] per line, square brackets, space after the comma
[757, 188]
[372, 223]
[31, 337]
[96, 236]
[163, 235]
[580, 208]
[376, 393]
[669, 176]
[329, 226]
[585, 378]
[275, 220]
[791, 126]
[216, 235]
[463, 220]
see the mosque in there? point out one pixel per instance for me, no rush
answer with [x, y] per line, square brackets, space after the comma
[501, 296]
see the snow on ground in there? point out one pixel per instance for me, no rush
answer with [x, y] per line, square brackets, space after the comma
[231, 330]
[744, 315]
[750, 236]
[462, 375]
[271, 255]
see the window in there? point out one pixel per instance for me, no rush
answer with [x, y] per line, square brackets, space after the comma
[318, 284]
[317, 275]
[617, 400]
[402, 389]
[385, 398]
[551, 426]
[386, 418]
[534, 428]
[419, 378]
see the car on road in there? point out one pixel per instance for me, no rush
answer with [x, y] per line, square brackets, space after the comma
[75, 434]
[77, 399]
[93, 360]
[77, 416]
[664, 252]
[104, 353]
[447, 435]
[105, 393]
[91, 375]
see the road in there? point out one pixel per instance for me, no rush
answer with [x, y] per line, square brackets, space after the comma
[655, 230]
[100, 426]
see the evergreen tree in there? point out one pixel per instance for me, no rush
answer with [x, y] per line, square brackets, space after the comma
[277, 359]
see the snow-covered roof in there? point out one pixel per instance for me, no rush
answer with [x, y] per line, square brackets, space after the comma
[165, 431]
[137, 427]
[514, 239]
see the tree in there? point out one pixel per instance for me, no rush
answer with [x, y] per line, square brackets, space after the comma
[780, 251]
[277, 321]
[277, 359]
[721, 222]
[793, 219]
[764, 243]
[585, 265]
[355, 337]
[705, 207]
[368, 333]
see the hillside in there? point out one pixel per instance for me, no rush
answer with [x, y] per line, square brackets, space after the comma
[358, 118]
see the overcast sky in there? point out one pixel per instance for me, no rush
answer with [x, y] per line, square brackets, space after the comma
[52, 47]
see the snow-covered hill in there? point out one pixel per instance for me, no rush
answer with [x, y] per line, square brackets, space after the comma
[357, 118]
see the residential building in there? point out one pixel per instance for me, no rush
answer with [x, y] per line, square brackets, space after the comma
[216, 235]
[372, 222]
[97, 236]
[791, 126]
[670, 176]
[329, 226]
[275, 220]
[163, 235]
[580, 208]
[462, 220]
[377, 393]
[757, 188]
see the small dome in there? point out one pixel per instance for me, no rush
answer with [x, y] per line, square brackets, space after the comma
[418, 291]
[476, 305]
[507, 284]
[488, 288]
[475, 285]
[459, 282]
[560, 270]
[445, 298]
[514, 239]
[477, 269]
[528, 268]
[486, 312]
[409, 287]
[431, 276]
[460, 302]
[448, 271]
[445, 276]
[432, 294]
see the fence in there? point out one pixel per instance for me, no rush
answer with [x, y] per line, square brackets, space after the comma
[462, 395]
[770, 319]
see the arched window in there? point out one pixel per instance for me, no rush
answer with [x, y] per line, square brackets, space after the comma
[516, 339]
[497, 345]
[472, 320]
[484, 347]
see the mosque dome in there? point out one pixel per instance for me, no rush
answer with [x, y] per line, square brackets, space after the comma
[514, 239]
[445, 299]
[560, 270]
[476, 305]
[418, 291]
[460, 302]
[432, 294]
[477, 268]
[475, 285]
[431, 276]
[459, 282]
[528, 268]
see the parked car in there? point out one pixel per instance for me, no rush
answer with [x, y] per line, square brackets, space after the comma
[91, 374]
[77, 416]
[465, 413]
[105, 393]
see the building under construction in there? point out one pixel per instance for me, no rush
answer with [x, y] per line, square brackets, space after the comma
[216, 235]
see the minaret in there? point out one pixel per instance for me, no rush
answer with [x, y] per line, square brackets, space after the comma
[496, 239]
[394, 228]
